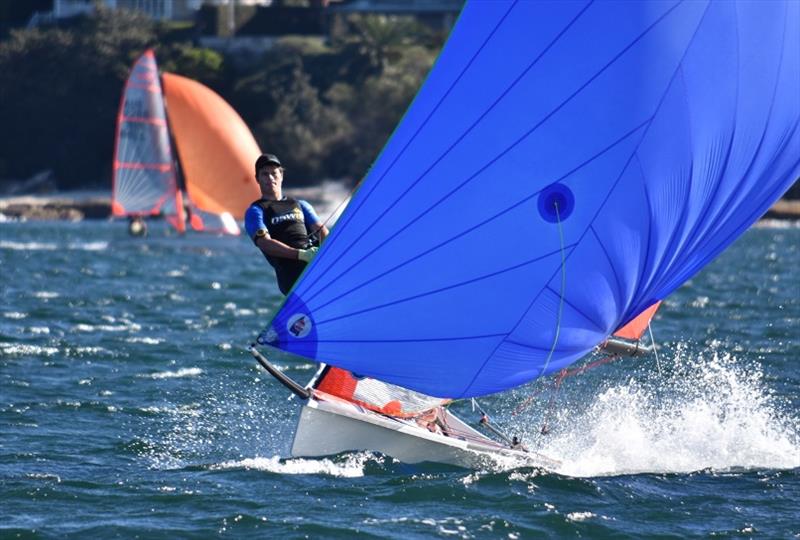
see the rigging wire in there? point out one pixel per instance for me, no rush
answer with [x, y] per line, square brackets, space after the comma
[512, 442]
[563, 288]
[655, 350]
[311, 236]
[557, 383]
[527, 401]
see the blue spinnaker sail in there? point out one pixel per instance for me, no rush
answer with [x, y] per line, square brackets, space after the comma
[565, 166]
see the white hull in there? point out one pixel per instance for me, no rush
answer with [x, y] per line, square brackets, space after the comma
[330, 427]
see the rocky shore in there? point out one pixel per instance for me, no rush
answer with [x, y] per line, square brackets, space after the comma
[52, 207]
[78, 206]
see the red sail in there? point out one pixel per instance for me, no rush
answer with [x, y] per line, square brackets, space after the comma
[216, 148]
[375, 395]
[635, 328]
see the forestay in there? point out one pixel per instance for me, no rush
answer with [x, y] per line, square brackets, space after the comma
[565, 166]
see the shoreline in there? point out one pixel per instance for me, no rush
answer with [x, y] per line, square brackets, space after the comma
[327, 197]
[79, 205]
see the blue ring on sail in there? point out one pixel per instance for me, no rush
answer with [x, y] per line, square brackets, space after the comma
[556, 203]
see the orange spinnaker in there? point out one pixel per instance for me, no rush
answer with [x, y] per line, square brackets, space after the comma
[635, 328]
[216, 148]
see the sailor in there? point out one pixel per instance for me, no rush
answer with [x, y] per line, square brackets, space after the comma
[432, 420]
[516, 444]
[137, 226]
[286, 230]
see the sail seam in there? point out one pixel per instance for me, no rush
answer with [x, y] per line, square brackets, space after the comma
[617, 280]
[501, 213]
[713, 196]
[455, 143]
[636, 306]
[574, 308]
[644, 125]
[608, 195]
[681, 221]
[756, 153]
[346, 219]
[774, 194]
[441, 289]
[643, 268]
[412, 340]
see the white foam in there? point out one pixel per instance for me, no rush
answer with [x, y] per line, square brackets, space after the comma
[88, 246]
[709, 413]
[44, 476]
[51, 246]
[39, 330]
[89, 350]
[28, 246]
[184, 372]
[183, 410]
[145, 340]
[25, 349]
[81, 327]
[580, 516]
[351, 467]
[777, 224]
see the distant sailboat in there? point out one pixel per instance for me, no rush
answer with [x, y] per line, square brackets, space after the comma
[564, 168]
[215, 148]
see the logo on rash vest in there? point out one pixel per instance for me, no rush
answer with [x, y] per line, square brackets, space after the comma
[298, 325]
[294, 215]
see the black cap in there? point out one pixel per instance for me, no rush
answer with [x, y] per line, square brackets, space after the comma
[266, 159]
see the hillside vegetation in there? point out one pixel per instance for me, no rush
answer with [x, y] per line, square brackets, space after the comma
[326, 107]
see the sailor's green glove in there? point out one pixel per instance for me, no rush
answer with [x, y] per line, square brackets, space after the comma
[306, 255]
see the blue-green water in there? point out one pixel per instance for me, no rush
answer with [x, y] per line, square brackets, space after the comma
[129, 408]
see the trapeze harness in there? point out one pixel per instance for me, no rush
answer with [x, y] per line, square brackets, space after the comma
[285, 222]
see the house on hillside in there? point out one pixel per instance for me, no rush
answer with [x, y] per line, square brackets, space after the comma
[253, 24]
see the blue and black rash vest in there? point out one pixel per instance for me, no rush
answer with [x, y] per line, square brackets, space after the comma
[286, 220]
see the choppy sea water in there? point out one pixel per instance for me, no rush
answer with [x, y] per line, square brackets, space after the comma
[129, 408]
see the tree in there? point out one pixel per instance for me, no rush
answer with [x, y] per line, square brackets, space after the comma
[65, 85]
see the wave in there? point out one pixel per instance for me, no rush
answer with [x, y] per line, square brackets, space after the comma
[25, 349]
[52, 246]
[350, 466]
[183, 372]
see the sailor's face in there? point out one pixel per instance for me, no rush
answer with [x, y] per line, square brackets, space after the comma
[270, 176]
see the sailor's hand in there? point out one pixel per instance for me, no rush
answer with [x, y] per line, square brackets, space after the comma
[306, 255]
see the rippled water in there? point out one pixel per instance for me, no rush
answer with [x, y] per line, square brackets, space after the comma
[128, 407]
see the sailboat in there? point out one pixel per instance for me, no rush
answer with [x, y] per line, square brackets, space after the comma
[210, 182]
[563, 169]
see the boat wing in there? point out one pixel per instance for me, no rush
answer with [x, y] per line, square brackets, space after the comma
[565, 166]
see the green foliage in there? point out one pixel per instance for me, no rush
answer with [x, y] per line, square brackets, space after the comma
[60, 93]
[200, 64]
[325, 107]
[375, 108]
